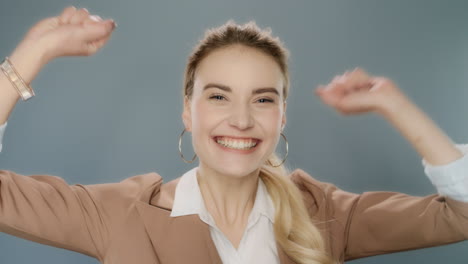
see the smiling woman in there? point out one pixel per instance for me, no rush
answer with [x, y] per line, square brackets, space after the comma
[240, 204]
[236, 85]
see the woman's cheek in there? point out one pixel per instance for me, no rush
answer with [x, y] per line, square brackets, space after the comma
[202, 114]
[271, 118]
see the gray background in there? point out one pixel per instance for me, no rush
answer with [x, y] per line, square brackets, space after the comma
[117, 114]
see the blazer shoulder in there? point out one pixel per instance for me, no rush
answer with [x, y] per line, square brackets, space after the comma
[324, 194]
[139, 183]
[306, 183]
[138, 187]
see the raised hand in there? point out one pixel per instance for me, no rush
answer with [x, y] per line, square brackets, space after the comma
[73, 33]
[357, 92]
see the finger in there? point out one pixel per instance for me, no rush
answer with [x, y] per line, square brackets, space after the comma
[345, 84]
[93, 47]
[95, 18]
[358, 77]
[356, 103]
[92, 20]
[79, 16]
[330, 96]
[96, 31]
[67, 14]
[364, 86]
[319, 90]
[101, 42]
[347, 81]
[340, 85]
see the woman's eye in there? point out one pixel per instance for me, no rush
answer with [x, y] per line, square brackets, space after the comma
[265, 100]
[217, 97]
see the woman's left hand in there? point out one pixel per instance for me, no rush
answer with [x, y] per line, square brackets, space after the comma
[357, 92]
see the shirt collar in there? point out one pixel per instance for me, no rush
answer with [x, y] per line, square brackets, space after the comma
[188, 199]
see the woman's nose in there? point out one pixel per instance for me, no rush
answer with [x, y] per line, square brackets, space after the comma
[241, 117]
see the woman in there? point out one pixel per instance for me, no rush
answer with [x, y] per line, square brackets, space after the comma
[238, 205]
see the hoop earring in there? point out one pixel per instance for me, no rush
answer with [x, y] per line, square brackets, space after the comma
[180, 149]
[285, 156]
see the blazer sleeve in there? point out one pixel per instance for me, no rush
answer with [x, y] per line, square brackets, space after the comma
[386, 222]
[380, 222]
[45, 209]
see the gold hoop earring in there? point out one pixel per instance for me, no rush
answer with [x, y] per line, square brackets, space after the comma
[180, 149]
[285, 156]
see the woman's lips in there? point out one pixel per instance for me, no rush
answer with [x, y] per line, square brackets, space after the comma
[237, 144]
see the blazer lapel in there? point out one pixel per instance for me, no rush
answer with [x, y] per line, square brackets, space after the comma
[183, 239]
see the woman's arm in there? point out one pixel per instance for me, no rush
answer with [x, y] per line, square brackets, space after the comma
[357, 92]
[43, 208]
[381, 222]
[72, 33]
[423, 134]
[445, 164]
[28, 59]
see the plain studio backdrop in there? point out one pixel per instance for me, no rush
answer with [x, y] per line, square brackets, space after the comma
[117, 114]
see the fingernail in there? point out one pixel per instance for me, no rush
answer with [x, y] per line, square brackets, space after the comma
[110, 22]
[94, 18]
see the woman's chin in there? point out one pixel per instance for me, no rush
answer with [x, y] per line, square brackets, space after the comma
[234, 170]
[239, 172]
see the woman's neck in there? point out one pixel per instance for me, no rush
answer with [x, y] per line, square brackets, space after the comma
[229, 200]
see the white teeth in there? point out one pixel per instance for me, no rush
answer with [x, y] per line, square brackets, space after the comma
[236, 144]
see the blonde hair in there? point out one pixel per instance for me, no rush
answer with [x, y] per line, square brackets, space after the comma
[294, 231]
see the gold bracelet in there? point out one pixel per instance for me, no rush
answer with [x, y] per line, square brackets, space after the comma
[24, 90]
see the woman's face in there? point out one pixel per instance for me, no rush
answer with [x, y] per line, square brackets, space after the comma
[237, 110]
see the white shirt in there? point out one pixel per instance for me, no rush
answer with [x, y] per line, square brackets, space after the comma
[451, 179]
[258, 244]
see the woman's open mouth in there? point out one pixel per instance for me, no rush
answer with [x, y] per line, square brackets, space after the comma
[237, 143]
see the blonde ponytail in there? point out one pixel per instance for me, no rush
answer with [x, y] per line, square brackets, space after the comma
[294, 231]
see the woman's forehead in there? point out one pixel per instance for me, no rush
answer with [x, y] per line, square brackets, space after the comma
[239, 68]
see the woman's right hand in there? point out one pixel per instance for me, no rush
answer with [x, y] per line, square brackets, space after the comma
[73, 33]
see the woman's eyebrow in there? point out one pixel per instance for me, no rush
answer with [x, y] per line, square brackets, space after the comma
[219, 86]
[266, 90]
[228, 89]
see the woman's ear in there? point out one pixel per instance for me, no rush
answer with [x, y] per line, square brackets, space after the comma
[187, 114]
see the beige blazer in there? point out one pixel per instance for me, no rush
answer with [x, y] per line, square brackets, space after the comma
[128, 222]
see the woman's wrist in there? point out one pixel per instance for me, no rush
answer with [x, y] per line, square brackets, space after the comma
[420, 131]
[394, 105]
[28, 59]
